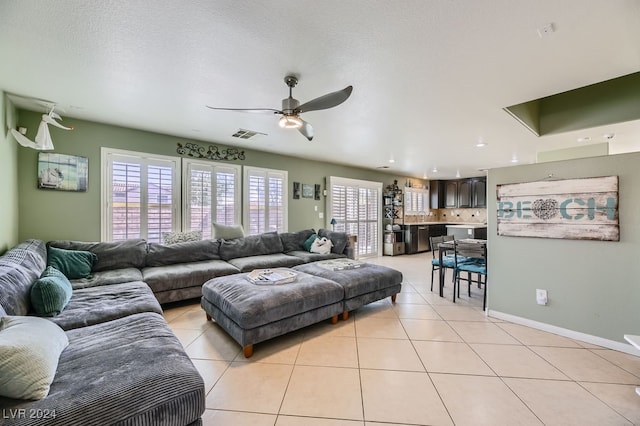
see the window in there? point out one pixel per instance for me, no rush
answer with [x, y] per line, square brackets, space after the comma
[356, 205]
[265, 200]
[416, 201]
[140, 195]
[211, 193]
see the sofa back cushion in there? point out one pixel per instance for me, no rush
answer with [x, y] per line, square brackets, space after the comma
[111, 255]
[339, 239]
[292, 241]
[253, 245]
[19, 268]
[191, 251]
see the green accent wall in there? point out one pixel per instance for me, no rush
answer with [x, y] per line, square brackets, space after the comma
[47, 215]
[592, 286]
[8, 176]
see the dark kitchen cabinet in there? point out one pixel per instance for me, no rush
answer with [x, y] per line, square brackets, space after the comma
[479, 192]
[436, 193]
[464, 193]
[451, 194]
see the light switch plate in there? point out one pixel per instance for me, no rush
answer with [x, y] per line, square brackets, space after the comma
[541, 296]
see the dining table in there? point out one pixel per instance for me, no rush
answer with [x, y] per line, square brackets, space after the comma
[468, 245]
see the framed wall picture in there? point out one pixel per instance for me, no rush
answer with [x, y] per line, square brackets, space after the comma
[296, 190]
[307, 190]
[62, 172]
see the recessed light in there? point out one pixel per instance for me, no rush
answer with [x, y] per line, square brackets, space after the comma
[392, 160]
[457, 173]
[435, 170]
[514, 160]
[481, 144]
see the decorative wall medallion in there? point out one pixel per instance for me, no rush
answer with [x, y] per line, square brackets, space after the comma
[210, 153]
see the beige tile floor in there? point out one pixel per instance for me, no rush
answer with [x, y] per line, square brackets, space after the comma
[422, 361]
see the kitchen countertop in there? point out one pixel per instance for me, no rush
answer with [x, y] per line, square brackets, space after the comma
[450, 224]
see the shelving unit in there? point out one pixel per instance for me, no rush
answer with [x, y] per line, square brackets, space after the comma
[635, 341]
[393, 207]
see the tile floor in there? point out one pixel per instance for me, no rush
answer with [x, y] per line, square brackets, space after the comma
[422, 361]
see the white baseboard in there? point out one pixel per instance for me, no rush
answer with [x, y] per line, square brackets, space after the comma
[576, 335]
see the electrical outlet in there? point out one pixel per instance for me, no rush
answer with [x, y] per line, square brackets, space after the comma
[541, 296]
[321, 215]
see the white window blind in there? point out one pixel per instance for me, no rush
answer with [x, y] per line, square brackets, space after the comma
[356, 207]
[265, 200]
[416, 201]
[211, 193]
[140, 194]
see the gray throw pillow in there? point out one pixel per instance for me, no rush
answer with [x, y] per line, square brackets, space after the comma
[30, 348]
[227, 232]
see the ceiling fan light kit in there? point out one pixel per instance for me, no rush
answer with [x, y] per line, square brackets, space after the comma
[291, 108]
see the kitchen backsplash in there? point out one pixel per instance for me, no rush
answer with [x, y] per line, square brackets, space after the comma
[450, 215]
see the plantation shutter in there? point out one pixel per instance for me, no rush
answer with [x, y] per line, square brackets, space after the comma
[265, 200]
[140, 195]
[211, 194]
[355, 205]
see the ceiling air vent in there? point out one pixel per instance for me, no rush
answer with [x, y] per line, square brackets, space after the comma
[247, 134]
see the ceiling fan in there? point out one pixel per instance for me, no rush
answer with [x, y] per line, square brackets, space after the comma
[291, 108]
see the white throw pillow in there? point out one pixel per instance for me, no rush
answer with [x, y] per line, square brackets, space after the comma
[30, 348]
[321, 246]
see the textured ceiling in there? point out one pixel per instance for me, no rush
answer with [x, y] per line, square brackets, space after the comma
[430, 78]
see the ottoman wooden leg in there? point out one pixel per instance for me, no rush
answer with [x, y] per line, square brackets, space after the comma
[247, 351]
[345, 315]
[334, 319]
[208, 317]
[393, 298]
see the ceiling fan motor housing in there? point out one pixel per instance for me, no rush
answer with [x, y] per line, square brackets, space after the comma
[289, 106]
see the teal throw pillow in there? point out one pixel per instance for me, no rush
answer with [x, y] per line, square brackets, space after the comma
[50, 293]
[309, 241]
[73, 264]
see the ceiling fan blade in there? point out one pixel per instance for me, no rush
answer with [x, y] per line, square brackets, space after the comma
[306, 129]
[327, 101]
[253, 110]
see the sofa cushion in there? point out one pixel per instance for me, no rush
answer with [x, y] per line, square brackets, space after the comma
[19, 268]
[191, 251]
[111, 255]
[308, 257]
[339, 239]
[50, 293]
[95, 305]
[29, 352]
[130, 371]
[116, 276]
[181, 237]
[292, 241]
[252, 245]
[72, 263]
[227, 232]
[277, 260]
[182, 275]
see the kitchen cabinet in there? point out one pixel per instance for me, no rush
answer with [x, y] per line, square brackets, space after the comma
[464, 193]
[436, 193]
[479, 192]
[451, 194]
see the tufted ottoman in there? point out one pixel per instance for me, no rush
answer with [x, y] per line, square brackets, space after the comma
[361, 285]
[252, 313]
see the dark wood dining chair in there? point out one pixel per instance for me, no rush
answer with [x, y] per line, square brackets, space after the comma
[447, 258]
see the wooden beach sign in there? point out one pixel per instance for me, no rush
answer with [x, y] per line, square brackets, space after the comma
[578, 209]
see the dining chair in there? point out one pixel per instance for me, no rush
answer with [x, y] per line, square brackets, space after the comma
[447, 258]
[475, 263]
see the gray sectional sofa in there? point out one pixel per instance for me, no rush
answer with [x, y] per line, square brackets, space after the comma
[123, 365]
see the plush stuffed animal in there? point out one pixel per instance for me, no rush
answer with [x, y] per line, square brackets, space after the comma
[321, 245]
